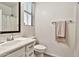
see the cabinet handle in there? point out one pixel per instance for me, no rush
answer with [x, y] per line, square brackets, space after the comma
[31, 46]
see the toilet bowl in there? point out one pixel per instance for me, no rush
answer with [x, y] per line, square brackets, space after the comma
[40, 49]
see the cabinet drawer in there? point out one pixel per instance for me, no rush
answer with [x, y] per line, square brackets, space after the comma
[18, 53]
[30, 47]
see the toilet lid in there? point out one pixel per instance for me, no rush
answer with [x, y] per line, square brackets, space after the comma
[40, 47]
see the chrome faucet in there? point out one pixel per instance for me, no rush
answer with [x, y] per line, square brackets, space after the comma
[11, 38]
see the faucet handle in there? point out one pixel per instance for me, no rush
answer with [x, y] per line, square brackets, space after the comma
[8, 39]
[12, 37]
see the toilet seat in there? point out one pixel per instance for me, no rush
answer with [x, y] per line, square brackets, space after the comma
[40, 48]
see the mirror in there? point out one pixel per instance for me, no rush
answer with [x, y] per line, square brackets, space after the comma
[9, 17]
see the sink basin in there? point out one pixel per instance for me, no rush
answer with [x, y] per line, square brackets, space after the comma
[10, 43]
[14, 43]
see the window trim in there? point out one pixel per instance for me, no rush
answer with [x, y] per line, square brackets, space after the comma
[30, 14]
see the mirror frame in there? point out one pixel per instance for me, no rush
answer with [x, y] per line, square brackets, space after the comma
[19, 18]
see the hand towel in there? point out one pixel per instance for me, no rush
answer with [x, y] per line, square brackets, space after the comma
[61, 31]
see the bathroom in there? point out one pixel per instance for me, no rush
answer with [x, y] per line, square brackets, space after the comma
[38, 28]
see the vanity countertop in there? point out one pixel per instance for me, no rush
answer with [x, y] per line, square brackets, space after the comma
[11, 46]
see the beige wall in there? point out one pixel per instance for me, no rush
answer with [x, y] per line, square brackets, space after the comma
[77, 32]
[45, 31]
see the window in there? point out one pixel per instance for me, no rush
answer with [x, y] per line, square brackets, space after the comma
[28, 13]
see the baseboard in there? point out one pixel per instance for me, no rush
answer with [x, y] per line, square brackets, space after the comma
[51, 55]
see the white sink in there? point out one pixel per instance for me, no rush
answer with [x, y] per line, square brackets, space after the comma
[10, 43]
[16, 41]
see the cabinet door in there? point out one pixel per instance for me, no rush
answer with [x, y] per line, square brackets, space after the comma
[30, 49]
[30, 54]
[18, 53]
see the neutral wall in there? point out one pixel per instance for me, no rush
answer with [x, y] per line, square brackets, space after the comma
[25, 30]
[45, 31]
[77, 32]
[0, 20]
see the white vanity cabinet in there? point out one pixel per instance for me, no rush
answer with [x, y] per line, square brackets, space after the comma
[26, 51]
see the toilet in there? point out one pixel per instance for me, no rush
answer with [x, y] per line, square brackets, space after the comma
[40, 50]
